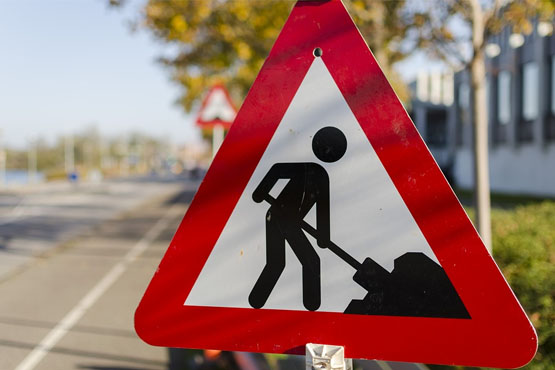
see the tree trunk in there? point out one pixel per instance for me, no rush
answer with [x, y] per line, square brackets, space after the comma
[480, 119]
[378, 19]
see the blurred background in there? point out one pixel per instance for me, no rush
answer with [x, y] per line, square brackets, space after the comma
[99, 149]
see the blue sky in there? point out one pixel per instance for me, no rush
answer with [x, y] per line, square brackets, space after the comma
[68, 64]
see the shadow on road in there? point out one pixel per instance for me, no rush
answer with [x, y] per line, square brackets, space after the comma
[86, 354]
[183, 197]
[15, 321]
[112, 368]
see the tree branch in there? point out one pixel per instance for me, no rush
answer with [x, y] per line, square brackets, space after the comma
[490, 16]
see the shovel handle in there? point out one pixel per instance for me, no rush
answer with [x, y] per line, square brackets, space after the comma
[331, 245]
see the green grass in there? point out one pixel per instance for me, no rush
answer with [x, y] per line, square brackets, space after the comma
[523, 230]
[504, 201]
[524, 249]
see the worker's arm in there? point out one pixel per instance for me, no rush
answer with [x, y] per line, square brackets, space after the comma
[275, 173]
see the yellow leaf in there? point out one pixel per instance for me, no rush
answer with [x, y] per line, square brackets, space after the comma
[243, 50]
[178, 23]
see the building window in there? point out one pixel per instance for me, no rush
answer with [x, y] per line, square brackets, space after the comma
[489, 88]
[436, 128]
[504, 97]
[529, 101]
[530, 98]
[502, 107]
[464, 96]
[463, 107]
[553, 85]
[550, 119]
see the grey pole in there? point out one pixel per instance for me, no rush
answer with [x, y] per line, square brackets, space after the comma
[2, 162]
[217, 138]
[69, 154]
[32, 161]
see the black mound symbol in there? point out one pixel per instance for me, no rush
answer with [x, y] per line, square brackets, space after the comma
[416, 287]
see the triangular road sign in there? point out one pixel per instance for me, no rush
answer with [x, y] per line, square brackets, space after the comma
[216, 109]
[325, 219]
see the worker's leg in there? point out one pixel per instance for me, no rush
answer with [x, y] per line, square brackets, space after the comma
[275, 263]
[311, 267]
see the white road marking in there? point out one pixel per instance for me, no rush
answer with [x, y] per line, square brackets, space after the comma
[73, 316]
[16, 213]
[383, 365]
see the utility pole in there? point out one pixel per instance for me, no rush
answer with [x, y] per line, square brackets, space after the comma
[217, 138]
[123, 149]
[104, 153]
[32, 161]
[69, 153]
[2, 162]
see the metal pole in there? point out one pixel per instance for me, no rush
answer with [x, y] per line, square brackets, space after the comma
[124, 161]
[217, 138]
[32, 162]
[69, 154]
[104, 153]
[2, 162]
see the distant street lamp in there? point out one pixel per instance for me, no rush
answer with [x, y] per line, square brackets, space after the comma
[516, 40]
[545, 29]
[492, 50]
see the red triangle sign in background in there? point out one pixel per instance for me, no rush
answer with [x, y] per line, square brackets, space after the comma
[198, 297]
[216, 108]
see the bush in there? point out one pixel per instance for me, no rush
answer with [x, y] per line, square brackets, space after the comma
[524, 249]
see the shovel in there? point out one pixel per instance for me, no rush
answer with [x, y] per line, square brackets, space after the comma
[416, 287]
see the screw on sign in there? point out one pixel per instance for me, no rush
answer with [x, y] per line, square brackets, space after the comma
[324, 219]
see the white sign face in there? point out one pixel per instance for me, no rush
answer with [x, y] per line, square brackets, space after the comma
[217, 107]
[367, 216]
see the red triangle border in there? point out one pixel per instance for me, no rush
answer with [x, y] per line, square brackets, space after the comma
[499, 333]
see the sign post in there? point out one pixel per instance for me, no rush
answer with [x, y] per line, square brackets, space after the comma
[326, 357]
[325, 219]
[217, 138]
[217, 112]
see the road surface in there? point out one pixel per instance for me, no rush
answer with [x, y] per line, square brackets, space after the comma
[35, 219]
[87, 256]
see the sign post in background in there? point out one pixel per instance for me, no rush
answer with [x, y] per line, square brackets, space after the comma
[217, 112]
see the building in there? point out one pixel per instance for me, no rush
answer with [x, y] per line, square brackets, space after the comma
[430, 110]
[521, 114]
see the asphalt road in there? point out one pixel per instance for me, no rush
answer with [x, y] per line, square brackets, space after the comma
[35, 219]
[72, 306]
[87, 254]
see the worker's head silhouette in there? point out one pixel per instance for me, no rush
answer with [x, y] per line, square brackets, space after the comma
[329, 144]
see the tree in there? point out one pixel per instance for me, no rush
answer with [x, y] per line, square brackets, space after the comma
[436, 23]
[228, 41]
